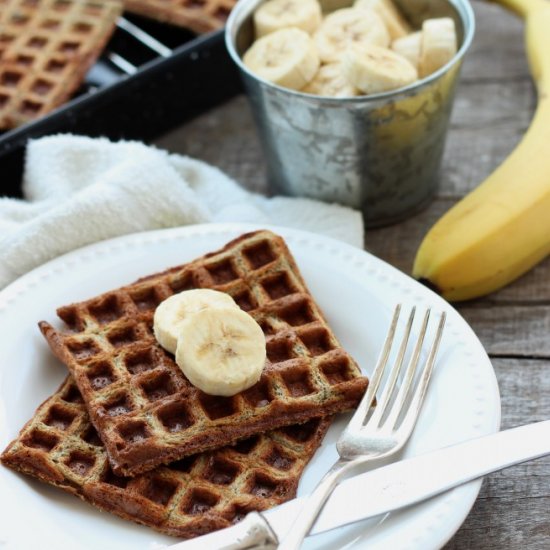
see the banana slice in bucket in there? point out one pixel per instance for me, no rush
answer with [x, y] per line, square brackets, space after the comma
[374, 70]
[331, 82]
[409, 47]
[286, 57]
[438, 46]
[349, 26]
[274, 15]
[388, 12]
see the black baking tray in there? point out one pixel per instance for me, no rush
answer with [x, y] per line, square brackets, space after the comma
[163, 93]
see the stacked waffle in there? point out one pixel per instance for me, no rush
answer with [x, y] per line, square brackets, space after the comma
[129, 433]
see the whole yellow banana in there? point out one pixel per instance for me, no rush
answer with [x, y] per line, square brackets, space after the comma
[502, 228]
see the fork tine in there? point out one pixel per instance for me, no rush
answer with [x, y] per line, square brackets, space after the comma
[366, 402]
[416, 404]
[394, 373]
[399, 402]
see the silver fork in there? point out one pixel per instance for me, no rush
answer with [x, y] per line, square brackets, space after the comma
[388, 428]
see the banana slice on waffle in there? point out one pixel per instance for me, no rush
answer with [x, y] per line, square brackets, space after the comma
[172, 312]
[388, 12]
[221, 351]
[438, 45]
[287, 57]
[374, 70]
[409, 47]
[349, 26]
[274, 15]
[330, 81]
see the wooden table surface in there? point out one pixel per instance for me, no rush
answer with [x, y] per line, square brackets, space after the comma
[493, 108]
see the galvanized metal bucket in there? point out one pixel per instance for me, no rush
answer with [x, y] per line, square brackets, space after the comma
[380, 153]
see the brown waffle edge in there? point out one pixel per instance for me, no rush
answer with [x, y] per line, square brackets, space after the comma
[199, 16]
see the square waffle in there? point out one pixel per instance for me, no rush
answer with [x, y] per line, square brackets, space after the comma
[185, 499]
[144, 408]
[46, 48]
[198, 15]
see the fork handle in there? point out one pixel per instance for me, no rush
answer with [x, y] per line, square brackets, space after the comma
[314, 504]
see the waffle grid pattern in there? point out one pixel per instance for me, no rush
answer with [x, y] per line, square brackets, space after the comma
[46, 48]
[146, 411]
[187, 498]
[199, 16]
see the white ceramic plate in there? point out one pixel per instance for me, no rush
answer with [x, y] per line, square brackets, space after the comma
[356, 291]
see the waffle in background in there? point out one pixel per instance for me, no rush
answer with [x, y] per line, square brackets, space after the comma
[46, 49]
[188, 498]
[146, 411]
[197, 15]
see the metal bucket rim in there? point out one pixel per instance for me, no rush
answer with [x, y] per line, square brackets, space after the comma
[244, 8]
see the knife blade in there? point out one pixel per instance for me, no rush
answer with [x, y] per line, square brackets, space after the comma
[389, 488]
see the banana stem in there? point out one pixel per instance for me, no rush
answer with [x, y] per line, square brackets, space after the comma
[522, 7]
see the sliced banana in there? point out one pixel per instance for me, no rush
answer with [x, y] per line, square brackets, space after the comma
[372, 69]
[172, 312]
[221, 351]
[349, 26]
[287, 57]
[409, 47]
[274, 15]
[331, 82]
[386, 9]
[438, 46]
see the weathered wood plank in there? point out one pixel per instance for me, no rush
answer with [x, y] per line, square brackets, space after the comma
[504, 106]
[488, 121]
[497, 52]
[524, 390]
[500, 524]
[508, 330]
[512, 508]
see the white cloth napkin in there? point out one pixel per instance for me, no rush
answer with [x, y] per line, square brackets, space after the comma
[80, 190]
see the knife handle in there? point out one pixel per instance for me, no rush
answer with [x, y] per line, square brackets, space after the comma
[257, 534]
